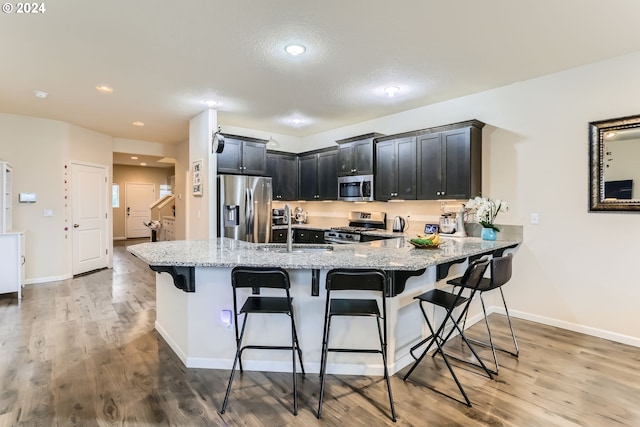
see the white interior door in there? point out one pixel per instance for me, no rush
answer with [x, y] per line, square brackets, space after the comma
[138, 198]
[89, 217]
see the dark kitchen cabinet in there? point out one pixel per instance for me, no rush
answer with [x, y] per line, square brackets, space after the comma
[356, 155]
[395, 169]
[283, 170]
[243, 155]
[301, 235]
[449, 163]
[279, 236]
[317, 172]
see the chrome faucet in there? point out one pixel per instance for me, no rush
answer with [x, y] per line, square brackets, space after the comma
[287, 217]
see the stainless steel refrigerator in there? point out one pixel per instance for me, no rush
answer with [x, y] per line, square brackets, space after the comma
[244, 207]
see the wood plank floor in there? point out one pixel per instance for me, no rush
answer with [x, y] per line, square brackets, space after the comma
[83, 352]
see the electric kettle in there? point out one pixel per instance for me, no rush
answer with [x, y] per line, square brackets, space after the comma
[398, 224]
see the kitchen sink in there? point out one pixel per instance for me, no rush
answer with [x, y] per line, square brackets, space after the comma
[296, 249]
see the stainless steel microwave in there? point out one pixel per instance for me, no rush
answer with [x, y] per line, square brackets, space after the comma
[355, 188]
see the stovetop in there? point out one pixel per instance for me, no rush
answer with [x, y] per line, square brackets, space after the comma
[353, 229]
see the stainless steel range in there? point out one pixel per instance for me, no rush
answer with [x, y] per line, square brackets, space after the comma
[358, 223]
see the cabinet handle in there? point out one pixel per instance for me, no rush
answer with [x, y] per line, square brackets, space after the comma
[76, 225]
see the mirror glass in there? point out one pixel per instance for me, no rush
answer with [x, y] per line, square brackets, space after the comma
[614, 156]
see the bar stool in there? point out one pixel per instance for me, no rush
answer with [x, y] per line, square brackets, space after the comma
[256, 278]
[450, 301]
[501, 268]
[355, 280]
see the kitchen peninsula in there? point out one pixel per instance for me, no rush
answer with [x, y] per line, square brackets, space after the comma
[195, 298]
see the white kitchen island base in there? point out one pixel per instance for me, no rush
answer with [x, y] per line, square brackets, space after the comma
[191, 325]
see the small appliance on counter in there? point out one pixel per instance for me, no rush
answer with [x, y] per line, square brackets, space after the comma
[300, 217]
[399, 224]
[278, 217]
[452, 223]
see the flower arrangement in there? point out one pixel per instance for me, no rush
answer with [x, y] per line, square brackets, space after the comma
[487, 210]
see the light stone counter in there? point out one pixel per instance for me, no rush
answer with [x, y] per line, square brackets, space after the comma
[388, 254]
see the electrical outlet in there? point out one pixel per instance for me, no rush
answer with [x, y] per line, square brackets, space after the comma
[535, 219]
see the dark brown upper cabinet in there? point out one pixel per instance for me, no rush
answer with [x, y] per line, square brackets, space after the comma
[449, 161]
[356, 155]
[243, 156]
[395, 169]
[317, 172]
[283, 170]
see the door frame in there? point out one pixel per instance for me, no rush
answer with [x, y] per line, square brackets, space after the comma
[108, 224]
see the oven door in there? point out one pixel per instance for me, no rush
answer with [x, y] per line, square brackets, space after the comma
[355, 188]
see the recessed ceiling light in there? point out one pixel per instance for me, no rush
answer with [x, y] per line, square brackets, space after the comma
[391, 91]
[40, 94]
[143, 164]
[134, 158]
[104, 88]
[296, 121]
[138, 124]
[211, 102]
[295, 49]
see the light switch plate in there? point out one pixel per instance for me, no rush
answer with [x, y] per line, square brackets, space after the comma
[535, 219]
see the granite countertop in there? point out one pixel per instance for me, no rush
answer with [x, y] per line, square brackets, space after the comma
[388, 254]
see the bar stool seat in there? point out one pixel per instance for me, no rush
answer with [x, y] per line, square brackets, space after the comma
[451, 301]
[257, 278]
[355, 280]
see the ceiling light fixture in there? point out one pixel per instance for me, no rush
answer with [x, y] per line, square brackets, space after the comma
[391, 91]
[296, 121]
[40, 94]
[295, 49]
[140, 124]
[104, 88]
[211, 102]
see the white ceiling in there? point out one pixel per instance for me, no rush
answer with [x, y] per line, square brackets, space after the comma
[163, 57]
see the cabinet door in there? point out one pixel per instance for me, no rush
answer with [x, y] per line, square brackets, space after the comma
[271, 169]
[279, 236]
[300, 235]
[364, 157]
[253, 158]
[10, 263]
[456, 182]
[346, 159]
[328, 175]
[288, 171]
[230, 160]
[429, 167]
[405, 150]
[308, 177]
[385, 183]
[316, 236]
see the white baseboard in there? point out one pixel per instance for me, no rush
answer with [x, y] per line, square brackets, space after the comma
[587, 330]
[174, 346]
[47, 279]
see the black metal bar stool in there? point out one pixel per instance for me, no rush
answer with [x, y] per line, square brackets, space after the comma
[355, 280]
[450, 301]
[501, 269]
[256, 278]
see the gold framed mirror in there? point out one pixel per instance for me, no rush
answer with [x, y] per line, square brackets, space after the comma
[614, 156]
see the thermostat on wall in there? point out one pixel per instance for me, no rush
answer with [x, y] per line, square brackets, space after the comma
[27, 198]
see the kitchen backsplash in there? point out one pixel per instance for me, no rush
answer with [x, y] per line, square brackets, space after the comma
[332, 214]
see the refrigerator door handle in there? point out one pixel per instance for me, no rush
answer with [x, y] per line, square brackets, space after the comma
[249, 214]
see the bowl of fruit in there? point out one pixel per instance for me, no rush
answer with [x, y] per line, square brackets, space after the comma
[430, 241]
